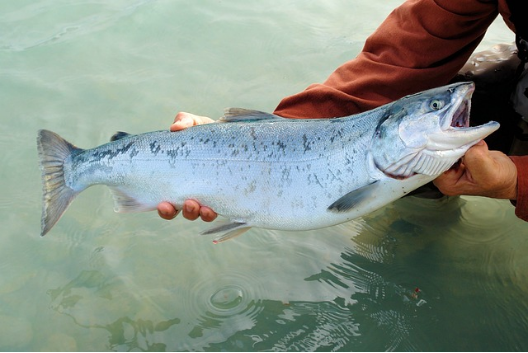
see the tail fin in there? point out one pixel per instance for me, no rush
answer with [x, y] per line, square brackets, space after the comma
[53, 153]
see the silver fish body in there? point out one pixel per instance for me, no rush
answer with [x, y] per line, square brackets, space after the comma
[261, 170]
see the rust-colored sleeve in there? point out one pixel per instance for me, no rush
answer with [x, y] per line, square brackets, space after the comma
[422, 44]
[521, 205]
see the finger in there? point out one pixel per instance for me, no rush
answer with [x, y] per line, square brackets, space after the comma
[480, 164]
[182, 121]
[167, 211]
[207, 214]
[191, 210]
[492, 172]
[449, 181]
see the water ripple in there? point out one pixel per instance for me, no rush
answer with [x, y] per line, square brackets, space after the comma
[479, 221]
[325, 326]
[224, 304]
[47, 23]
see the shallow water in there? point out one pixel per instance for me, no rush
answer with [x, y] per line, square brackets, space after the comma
[416, 275]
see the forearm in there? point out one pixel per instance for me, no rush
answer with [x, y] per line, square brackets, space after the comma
[521, 204]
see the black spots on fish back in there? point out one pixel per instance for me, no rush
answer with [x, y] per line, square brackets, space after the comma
[113, 152]
[178, 152]
[273, 149]
[155, 147]
[306, 143]
[172, 153]
[252, 133]
[207, 140]
[338, 134]
[281, 145]
[235, 151]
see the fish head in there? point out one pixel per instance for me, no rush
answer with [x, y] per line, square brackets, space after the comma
[426, 133]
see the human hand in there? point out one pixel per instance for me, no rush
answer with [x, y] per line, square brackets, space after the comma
[481, 173]
[184, 120]
[191, 208]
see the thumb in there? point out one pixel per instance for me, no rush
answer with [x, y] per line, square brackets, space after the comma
[491, 172]
[182, 121]
[479, 163]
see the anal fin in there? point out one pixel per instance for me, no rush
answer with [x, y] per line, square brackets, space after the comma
[228, 231]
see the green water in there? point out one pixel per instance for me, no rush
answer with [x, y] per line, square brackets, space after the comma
[416, 275]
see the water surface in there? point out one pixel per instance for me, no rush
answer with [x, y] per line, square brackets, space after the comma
[416, 275]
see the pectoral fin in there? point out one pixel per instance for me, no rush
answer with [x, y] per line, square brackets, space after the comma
[354, 198]
[227, 231]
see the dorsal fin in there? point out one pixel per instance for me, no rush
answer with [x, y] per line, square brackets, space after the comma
[118, 135]
[240, 114]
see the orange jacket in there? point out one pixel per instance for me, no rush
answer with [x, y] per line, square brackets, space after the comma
[422, 44]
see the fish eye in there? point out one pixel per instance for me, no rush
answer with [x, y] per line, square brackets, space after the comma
[436, 104]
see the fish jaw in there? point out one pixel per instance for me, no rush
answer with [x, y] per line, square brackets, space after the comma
[460, 138]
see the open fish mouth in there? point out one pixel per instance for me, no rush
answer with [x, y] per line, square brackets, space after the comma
[463, 106]
[461, 115]
[459, 127]
[456, 132]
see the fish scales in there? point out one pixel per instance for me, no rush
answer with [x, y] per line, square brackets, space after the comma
[195, 163]
[260, 170]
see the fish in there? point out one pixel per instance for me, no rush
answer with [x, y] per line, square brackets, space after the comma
[257, 169]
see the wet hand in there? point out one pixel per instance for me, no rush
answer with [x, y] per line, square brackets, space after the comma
[481, 173]
[184, 120]
[192, 210]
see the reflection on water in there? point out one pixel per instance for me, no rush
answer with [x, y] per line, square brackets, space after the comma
[124, 334]
[399, 279]
[449, 274]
